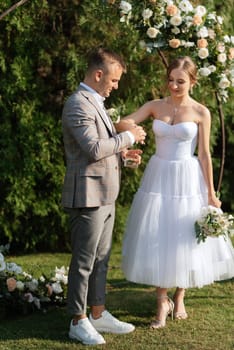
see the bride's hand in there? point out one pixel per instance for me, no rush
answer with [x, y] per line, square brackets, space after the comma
[124, 125]
[214, 200]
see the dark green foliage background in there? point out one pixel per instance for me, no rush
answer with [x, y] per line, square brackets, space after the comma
[43, 47]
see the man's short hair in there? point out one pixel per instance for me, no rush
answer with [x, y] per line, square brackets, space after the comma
[100, 57]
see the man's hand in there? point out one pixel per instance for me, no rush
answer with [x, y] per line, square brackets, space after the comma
[132, 157]
[129, 125]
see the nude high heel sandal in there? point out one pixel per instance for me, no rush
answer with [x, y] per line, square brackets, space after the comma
[179, 315]
[162, 322]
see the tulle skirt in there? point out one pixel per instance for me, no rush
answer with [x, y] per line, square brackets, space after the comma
[160, 246]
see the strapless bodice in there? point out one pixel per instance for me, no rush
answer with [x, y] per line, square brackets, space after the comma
[175, 142]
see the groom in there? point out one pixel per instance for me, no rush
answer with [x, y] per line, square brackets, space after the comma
[93, 152]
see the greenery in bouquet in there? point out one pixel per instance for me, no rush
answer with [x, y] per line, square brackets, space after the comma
[178, 26]
[213, 223]
[21, 292]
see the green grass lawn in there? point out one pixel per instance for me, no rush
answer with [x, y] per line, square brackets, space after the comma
[210, 325]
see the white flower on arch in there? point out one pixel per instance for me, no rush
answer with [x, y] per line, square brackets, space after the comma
[178, 24]
[176, 21]
[203, 53]
[185, 6]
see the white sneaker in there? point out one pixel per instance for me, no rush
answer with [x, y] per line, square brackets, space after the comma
[110, 324]
[85, 333]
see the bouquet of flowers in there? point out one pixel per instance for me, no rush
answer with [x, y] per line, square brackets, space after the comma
[213, 223]
[23, 293]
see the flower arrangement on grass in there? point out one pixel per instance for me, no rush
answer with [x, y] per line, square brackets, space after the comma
[172, 25]
[213, 223]
[23, 293]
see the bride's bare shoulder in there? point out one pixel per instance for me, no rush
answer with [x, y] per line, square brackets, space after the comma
[202, 111]
[157, 103]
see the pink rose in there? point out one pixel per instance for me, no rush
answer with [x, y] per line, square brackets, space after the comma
[197, 20]
[11, 284]
[171, 10]
[231, 53]
[201, 43]
[174, 43]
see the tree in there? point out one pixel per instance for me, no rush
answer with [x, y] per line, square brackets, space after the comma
[43, 48]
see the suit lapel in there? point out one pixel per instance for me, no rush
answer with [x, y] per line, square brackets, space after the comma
[100, 110]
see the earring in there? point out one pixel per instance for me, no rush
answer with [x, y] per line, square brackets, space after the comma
[191, 89]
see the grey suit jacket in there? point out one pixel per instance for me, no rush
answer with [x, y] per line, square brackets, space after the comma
[92, 153]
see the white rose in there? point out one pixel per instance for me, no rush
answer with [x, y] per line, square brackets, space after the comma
[2, 262]
[147, 13]
[2, 265]
[219, 19]
[60, 274]
[13, 267]
[32, 285]
[211, 34]
[18, 270]
[203, 33]
[226, 39]
[187, 43]
[57, 289]
[203, 53]
[29, 297]
[152, 32]
[204, 72]
[211, 16]
[111, 112]
[221, 47]
[142, 44]
[175, 30]
[200, 10]
[37, 302]
[222, 57]
[185, 6]
[175, 21]
[224, 83]
[42, 279]
[232, 39]
[212, 68]
[125, 6]
[62, 270]
[26, 275]
[64, 279]
[20, 285]
[189, 21]
[224, 95]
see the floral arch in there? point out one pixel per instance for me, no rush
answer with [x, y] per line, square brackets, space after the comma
[178, 25]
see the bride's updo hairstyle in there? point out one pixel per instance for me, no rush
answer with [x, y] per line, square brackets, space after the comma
[187, 65]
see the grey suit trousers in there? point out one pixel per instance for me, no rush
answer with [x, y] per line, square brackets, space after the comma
[91, 239]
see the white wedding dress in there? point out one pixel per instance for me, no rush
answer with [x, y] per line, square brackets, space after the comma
[160, 246]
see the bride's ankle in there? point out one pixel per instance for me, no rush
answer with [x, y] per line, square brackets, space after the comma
[162, 300]
[179, 294]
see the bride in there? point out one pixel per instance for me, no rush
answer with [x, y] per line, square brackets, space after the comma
[160, 246]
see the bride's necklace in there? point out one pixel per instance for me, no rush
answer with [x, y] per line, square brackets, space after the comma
[176, 108]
